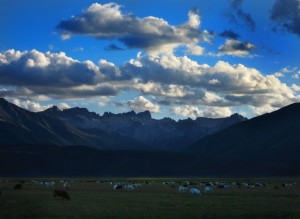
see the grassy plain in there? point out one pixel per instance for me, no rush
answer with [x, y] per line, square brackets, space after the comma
[155, 200]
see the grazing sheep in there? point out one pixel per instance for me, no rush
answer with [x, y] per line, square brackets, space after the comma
[18, 186]
[194, 191]
[208, 189]
[129, 187]
[62, 194]
[182, 189]
[117, 186]
[137, 185]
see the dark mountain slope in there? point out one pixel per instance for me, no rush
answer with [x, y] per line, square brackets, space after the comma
[267, 144]
[19, 126]
[161, 134]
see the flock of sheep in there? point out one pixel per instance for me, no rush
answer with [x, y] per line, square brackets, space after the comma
[187, 187]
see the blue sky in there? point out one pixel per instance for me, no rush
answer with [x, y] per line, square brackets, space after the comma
[175, 58]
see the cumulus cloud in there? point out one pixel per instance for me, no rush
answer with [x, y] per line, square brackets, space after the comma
[194, 111]
[225, 84]
[297, 75]
[103, 101]
[31, 106]
[107, 21]
[295, 87]
[213, 81]
[236, 48]
[55, 74]
[286, 15]
[260, 110]
[187, 111]
[169, 79]
[141, 104]
[36, 107]
[278, 74]
[63, 106]
[47, 69]
[238, 16]
[158, 89]
[195, 50]
[183, 71]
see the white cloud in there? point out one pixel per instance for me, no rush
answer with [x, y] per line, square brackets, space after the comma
[103, 101]
[295, 87]
[211, 98]
[194, 111]
[220, 78]
[163, 90]
[286, 70]
[55, 75]
[236, 48]
[36, 107]
[297, 75]
[214, 81]
[282, 72]
[278, 74]
[37, 68]
[194, 19]
[63, 106]
[217, 112]
[195, 50]
[187, 111]
[170, 79]
[107, 21]
[31, 106]
[234, 85]
[141, 104]
[260, 110]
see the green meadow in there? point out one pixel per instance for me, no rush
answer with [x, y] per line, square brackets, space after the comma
[95, 198]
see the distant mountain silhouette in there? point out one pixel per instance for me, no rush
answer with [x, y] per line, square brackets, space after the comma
[124, 131]
[158, 134]
[268, 144]
[32, 144]
[20, 126]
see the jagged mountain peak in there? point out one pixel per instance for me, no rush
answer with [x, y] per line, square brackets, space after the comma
[52, 109]
[163, 134]
[238, 116]
[144, 115]
[77, 110]
[129, 115]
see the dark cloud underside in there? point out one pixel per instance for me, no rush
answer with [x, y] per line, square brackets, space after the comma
[229, 34]
[286, 15]
[238, 16]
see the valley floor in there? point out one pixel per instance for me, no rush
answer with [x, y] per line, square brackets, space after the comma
[157, 198]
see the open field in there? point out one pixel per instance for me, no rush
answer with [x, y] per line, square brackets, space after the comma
[95, 198]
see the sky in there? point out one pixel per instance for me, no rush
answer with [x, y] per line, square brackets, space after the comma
[178, 59]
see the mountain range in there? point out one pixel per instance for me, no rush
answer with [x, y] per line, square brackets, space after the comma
[20, 126]
[76, 142]
[125, 131]
[153, 134]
